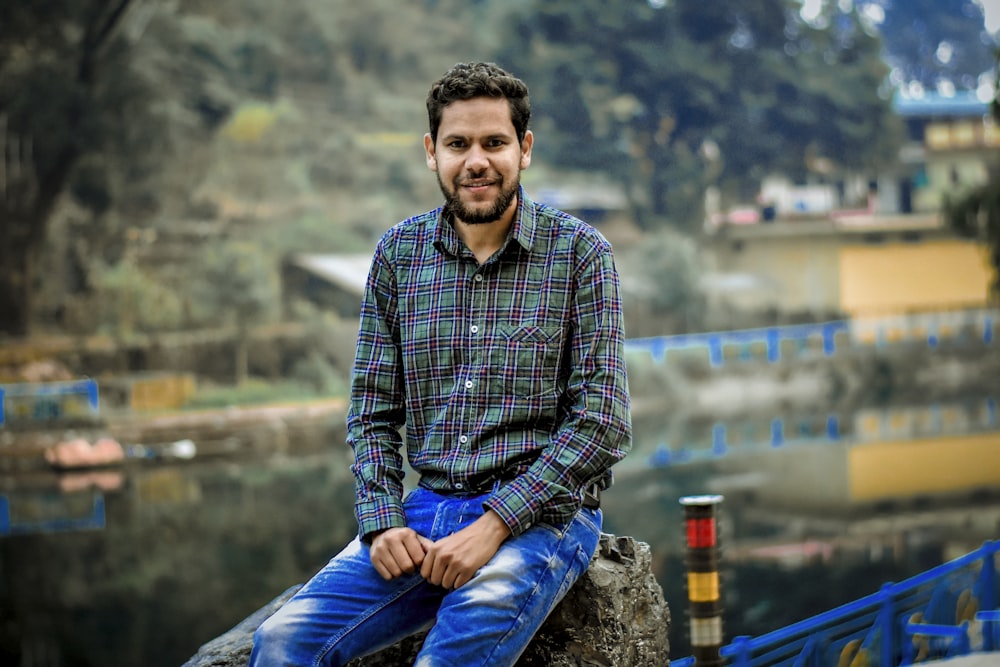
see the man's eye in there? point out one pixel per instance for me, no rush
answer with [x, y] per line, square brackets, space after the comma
[456, 144]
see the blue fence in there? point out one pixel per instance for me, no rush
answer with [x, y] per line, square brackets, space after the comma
[48, 401]
[827, 338]
[769, 339]
[948, 611]
[54, 519]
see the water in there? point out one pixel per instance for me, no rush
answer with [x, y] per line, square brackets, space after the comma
[143, 565]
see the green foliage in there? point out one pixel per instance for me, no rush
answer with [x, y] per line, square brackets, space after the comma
[311, 233]
[675, 97]
[316, 373]
[251, 392]
[668, 271]
[131, 301]
[976, 213]
[235, 283]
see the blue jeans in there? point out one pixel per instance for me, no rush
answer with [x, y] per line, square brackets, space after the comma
[347, 610]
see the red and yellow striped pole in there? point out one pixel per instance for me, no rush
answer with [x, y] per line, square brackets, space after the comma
[704, 599]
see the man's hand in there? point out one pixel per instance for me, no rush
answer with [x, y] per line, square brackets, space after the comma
[398, 550]
[452, 561]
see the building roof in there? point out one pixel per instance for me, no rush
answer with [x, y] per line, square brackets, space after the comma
[964, 103]
[349, 272]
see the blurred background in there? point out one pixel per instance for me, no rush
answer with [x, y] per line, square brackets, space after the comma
[804, 201]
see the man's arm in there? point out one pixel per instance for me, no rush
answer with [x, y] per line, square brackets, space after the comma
[377, 409]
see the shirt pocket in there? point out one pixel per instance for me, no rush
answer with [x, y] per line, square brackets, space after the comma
[526, 360]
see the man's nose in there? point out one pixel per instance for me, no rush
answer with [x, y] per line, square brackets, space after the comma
[476, 160]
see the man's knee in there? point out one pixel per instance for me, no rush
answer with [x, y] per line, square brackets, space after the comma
[271, 643]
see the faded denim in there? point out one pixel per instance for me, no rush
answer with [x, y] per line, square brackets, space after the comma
[347, 610]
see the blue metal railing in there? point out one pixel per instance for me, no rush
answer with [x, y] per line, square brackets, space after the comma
[771, 343]
[11, 525]
[932, 615]
[49, 401]
[770, 339]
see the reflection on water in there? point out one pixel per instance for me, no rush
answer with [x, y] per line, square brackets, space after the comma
[141, 566]
[177, 555]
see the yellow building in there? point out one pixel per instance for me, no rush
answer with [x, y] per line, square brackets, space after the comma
[894, 256]
[855, 266]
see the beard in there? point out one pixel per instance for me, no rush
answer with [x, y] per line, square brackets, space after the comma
[478, 216]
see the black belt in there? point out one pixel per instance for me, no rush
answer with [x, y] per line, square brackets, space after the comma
[591, 494]
[483, 482]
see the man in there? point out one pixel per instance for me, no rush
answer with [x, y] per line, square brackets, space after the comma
[491, 328]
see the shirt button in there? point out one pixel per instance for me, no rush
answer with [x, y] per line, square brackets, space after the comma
[474, 329]
[463, 439]
[459, 486]
[468, 384]
[478, 278]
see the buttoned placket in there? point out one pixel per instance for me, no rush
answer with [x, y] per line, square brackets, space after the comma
[475, 306]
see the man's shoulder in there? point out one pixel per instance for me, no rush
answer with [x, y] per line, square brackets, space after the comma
[409, 234]
[562, 227]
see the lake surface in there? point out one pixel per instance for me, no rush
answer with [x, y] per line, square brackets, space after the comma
[141, 566]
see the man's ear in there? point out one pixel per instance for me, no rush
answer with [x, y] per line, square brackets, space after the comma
[432, 163]
[526, 144]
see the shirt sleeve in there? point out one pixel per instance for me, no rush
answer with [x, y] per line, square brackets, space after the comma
[596, 430]
[377, 410]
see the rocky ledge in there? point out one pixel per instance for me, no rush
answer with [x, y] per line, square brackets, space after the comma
[614, 616]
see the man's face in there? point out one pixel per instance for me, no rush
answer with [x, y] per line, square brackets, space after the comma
[478, 159]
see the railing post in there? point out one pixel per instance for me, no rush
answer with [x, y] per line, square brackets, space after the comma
[741, 651]
[886, 614]
[704, 599]
[987, 598]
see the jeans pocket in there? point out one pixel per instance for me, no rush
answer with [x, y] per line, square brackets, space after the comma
[593, 518]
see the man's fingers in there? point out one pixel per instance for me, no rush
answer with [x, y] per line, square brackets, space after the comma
[401, 555]
[383, 571]
[396, 551]
[416, 549]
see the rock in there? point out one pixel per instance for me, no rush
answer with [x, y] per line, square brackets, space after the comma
[614, 616]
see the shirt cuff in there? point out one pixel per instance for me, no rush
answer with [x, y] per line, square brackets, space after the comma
[376, 515]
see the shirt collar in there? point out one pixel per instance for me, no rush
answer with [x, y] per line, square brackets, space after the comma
[524, 230]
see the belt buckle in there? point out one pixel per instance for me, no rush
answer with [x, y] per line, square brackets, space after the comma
[592, 497]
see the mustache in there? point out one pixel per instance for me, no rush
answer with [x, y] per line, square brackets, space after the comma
[482, 180]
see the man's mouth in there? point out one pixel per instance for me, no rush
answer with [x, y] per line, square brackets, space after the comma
[477, 186]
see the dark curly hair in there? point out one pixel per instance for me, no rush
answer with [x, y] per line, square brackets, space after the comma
[465, 81]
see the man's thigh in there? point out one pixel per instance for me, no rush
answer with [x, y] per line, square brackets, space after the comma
[492, 618]
[347, 609]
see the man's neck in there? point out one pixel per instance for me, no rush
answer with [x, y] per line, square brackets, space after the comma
[484, 239]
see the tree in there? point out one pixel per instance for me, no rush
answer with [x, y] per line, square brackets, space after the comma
[57, 105]
[238, 283]
[92, 96]
[933, 41]
[976, 214]
[676, 96]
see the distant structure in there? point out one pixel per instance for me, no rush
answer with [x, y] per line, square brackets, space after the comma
[950, 142]
[333, 282]
[859, 247]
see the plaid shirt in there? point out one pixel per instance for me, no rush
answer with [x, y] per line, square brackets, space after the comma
[511, 370]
